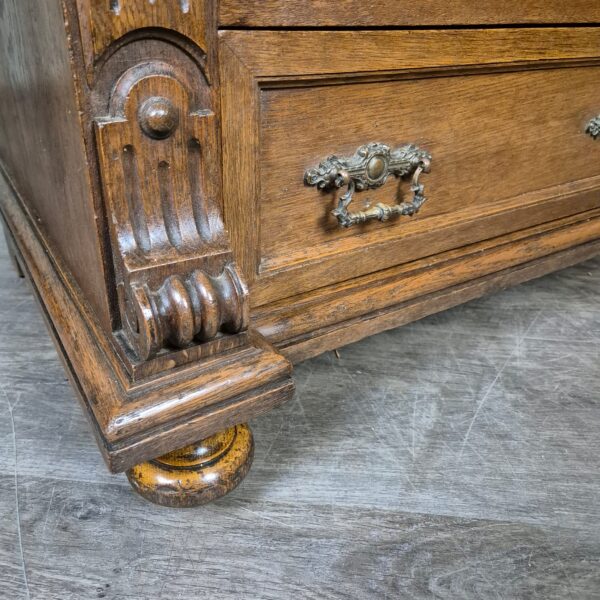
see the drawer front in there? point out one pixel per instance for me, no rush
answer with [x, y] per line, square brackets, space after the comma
[502, 113]
[358, 13]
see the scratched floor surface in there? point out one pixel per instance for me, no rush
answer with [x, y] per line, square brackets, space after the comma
[457, 457]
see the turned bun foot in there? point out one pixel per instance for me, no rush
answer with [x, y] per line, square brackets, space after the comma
[198, 473]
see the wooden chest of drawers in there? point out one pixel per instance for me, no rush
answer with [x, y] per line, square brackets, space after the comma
[204, 193]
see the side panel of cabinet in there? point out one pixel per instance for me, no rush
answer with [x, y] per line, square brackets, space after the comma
[41, 141]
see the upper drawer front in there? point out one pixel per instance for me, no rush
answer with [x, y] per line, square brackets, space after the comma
[503, 114]
[358, 13]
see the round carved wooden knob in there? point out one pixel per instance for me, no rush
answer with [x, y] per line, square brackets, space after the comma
[158, 117]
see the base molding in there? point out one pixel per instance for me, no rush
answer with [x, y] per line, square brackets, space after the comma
[307, 324]
[335, 336]
[137, 420]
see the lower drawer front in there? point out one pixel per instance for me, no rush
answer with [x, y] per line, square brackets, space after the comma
[507, 140]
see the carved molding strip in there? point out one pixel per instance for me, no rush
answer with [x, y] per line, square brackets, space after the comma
[176, 280]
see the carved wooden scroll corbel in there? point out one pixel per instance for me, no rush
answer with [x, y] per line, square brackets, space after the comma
[178, 283]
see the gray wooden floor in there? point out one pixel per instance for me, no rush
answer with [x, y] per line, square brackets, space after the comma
[457, 457]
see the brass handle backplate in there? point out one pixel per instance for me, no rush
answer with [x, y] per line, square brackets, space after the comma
[370, 168]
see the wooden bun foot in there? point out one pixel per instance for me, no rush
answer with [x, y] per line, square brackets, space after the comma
[196, 474]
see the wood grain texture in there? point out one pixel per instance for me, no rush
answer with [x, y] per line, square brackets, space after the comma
[283, 54]
[502, 161]
[41, 145]
[157, 143]
[286, 322]
[177, 283]
[444, 233]
[134, 421]
[481, 156]
[196, 474]
[380, 502]
[105, 22]
[338, 335]
[391, 13]
[157, 341]
[240, 145]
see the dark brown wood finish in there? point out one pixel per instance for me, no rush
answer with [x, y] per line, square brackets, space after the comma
[135, 421]
[154, 193]
[41, 146]
[390, 298]
[179, 361]
[156, 135]
[104, 23]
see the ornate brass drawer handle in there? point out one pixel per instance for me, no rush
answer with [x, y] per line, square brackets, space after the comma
[370, 168]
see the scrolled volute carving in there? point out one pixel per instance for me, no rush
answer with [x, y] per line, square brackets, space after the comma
[185, 309]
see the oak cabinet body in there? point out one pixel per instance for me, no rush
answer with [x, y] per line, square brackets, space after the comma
[157, 162]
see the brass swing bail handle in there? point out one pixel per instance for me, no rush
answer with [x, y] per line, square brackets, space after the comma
[370, 168]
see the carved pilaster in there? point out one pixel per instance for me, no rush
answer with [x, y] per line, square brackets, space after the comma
[177, 284]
